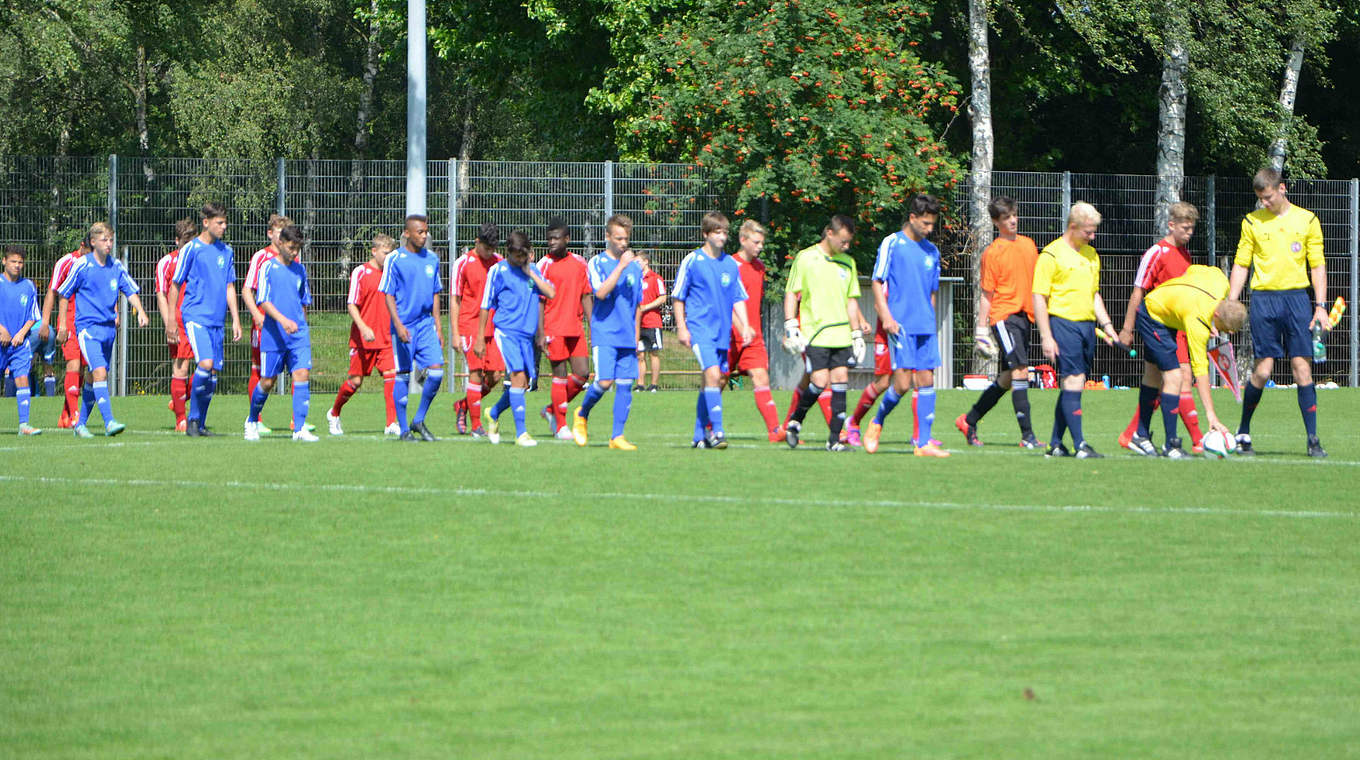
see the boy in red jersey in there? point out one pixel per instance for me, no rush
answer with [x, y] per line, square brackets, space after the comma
[70, 349]
[649, 338]
[468, 280]
[753, 359]
[181, 353]
[370, 337]
[563, 337]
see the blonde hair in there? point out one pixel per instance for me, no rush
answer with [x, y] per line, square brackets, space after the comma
[100, 228]
[1230, 315]
[1184, 212]
[1082, 213]
[279, 221]
[620, 220]
[385, 242]
[751, 227]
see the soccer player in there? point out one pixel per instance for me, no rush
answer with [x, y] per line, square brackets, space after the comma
[204, 284]
[370, 337]
[1165, 260]
[649, 338]
[410, 284]
[906, 278]
[1005, 314]
[882, 379]
[753, 358]
[276, 223]
[18, 314]
[468, 278]
[707, 291]
[181, 354]
[513, 293]
[616, 279]
[94, 284]
[70, 349]
[562, 316]
[1067, 307]
[821, 297]
[283, 295]
[1281, 245]
[1185, 310]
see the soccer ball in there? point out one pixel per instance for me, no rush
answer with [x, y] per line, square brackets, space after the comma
[1217, 445]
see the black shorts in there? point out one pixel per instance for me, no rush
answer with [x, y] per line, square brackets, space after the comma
[649, 339]
[821, 357]
[1012, 338]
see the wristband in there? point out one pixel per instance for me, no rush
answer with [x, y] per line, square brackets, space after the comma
[1320, 304]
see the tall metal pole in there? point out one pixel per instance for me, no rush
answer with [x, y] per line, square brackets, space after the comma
[281, 170]
[1355, 283]
[415, 107]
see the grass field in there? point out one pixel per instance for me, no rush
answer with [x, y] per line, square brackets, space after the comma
[362, 598]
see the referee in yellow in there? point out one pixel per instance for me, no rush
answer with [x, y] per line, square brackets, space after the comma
[1281, 245]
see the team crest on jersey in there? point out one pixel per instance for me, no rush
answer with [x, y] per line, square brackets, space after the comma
[1296, 246]
[429, 271]
[23, 300]
[113, 284]
[726, 279]
[221, 261]
[930, 262]
[630, 281]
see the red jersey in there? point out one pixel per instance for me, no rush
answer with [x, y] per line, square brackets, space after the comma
[469, 280]
[256, 264]
[59, 275]
[165, 270]
[653, 287]
[1162, 262]
[753, 280]
[363, 293]
[562, 314]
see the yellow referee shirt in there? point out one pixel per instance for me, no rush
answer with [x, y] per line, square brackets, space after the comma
[1187, 303]
[1281, 248]
[1070, 279]
[825, 284]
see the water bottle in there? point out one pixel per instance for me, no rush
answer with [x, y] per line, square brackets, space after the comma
[1319, 348]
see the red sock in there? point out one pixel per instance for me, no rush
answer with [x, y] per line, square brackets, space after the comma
[346, 390]
[179, 392]
[866, 402]
[915, 422]
[793, 407]
[765, 405]
[575, 384]
[1190, 416]
[474, 401]
[1132, 429]
[559, 401]
[824, 401]
[390, 384]
[254, 380]
[72, 394]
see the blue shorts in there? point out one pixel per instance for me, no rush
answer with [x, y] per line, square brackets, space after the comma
[914, 351]
[1076, 345]
[96, 345]
[518, 352]
[296, 354]
[206, 343]
[423, 350]
[17, 359]
[710, 355]
[1279, 323]
[1159, 341]
[615, 362]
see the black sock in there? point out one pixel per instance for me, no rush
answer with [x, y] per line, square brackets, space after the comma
[1251, 397]
[1020, 400]
[985, 402]
[1147, 401]
[805, 401]
[837, 410]
[1308, 406]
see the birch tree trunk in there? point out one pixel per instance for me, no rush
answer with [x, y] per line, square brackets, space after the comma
[1171, 105]
[980, 179]
[1288, 89]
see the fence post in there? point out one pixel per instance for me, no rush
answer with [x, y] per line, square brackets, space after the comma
[608, 190]
[123, 332]
[1066, 199]
[1355, 282]
[282, 188]
[120, 363]
[449, 362]
[1211, 217]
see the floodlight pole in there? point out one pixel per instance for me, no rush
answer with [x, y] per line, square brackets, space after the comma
[415, 106]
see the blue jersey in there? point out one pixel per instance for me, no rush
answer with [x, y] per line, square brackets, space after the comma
[613, 319]
[204, 270]
[910, 272]
[285, 286]
[514, 296]
[412, 278]
[18, 304]
[96, 287]
[709, 288]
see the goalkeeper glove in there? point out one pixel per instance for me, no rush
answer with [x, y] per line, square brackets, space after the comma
[857, 347]
[982, 337]
[794, 342]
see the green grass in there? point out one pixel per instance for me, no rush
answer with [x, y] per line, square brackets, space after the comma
[171, 598]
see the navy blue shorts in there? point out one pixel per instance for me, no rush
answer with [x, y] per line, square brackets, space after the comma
[1159, 341]
[1076, 345]
[1279, 323]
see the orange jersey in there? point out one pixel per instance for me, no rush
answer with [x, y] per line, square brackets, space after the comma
[753, 279]
[1008, 274]
[363, 293]
[563, 314]
[469, 281]
[653, 287]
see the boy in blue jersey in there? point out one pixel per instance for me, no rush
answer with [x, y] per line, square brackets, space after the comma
[410, 283]
[94, 283]
[616, 281]
[18, 315]
[205, 275]
[283, 295]
[906, 278]
[513, 288]
[707, 289]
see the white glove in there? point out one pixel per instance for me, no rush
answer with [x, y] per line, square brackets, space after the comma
[982, 337]
[857, 347]
[794, 342]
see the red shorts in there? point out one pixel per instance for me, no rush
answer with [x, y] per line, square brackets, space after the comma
[742, 359]
[255, 348]
[363, 361]
[1182, 349]
[179, 349]
[492, 362]
[70, 350]
[882, 356]
[560, 349]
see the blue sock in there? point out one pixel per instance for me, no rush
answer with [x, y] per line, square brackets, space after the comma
[1251, 396]
[925, 411]
[1308, 406]
[1059, 421]
[399, 392]
[500, 406]
[101, 398]
[87, 402]
[1071, 412]
[302, 400]
[516, 396]
[257, 400]
[21, 397]
[713, 402]
[593, 395]
[1171, 403]
[700, 418]
[886, 404]
[1147, 397]
[433, 379]
[623, 401]
[209, 388]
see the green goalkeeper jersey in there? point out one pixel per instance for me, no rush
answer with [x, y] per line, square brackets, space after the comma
[825, 284]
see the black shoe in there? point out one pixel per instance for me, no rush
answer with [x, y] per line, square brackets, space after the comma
[702, 443]
[1084, 451]
[205, 432]
[791, 433]
[1143, 446]
[836, 446]
[410, 436]
[653, 388]
[1173, 450]
[1030, 442]
[192, 429]
[1244, 445]
[717, 441]
[1057, 450]
[1315, 448]
[419, 429]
